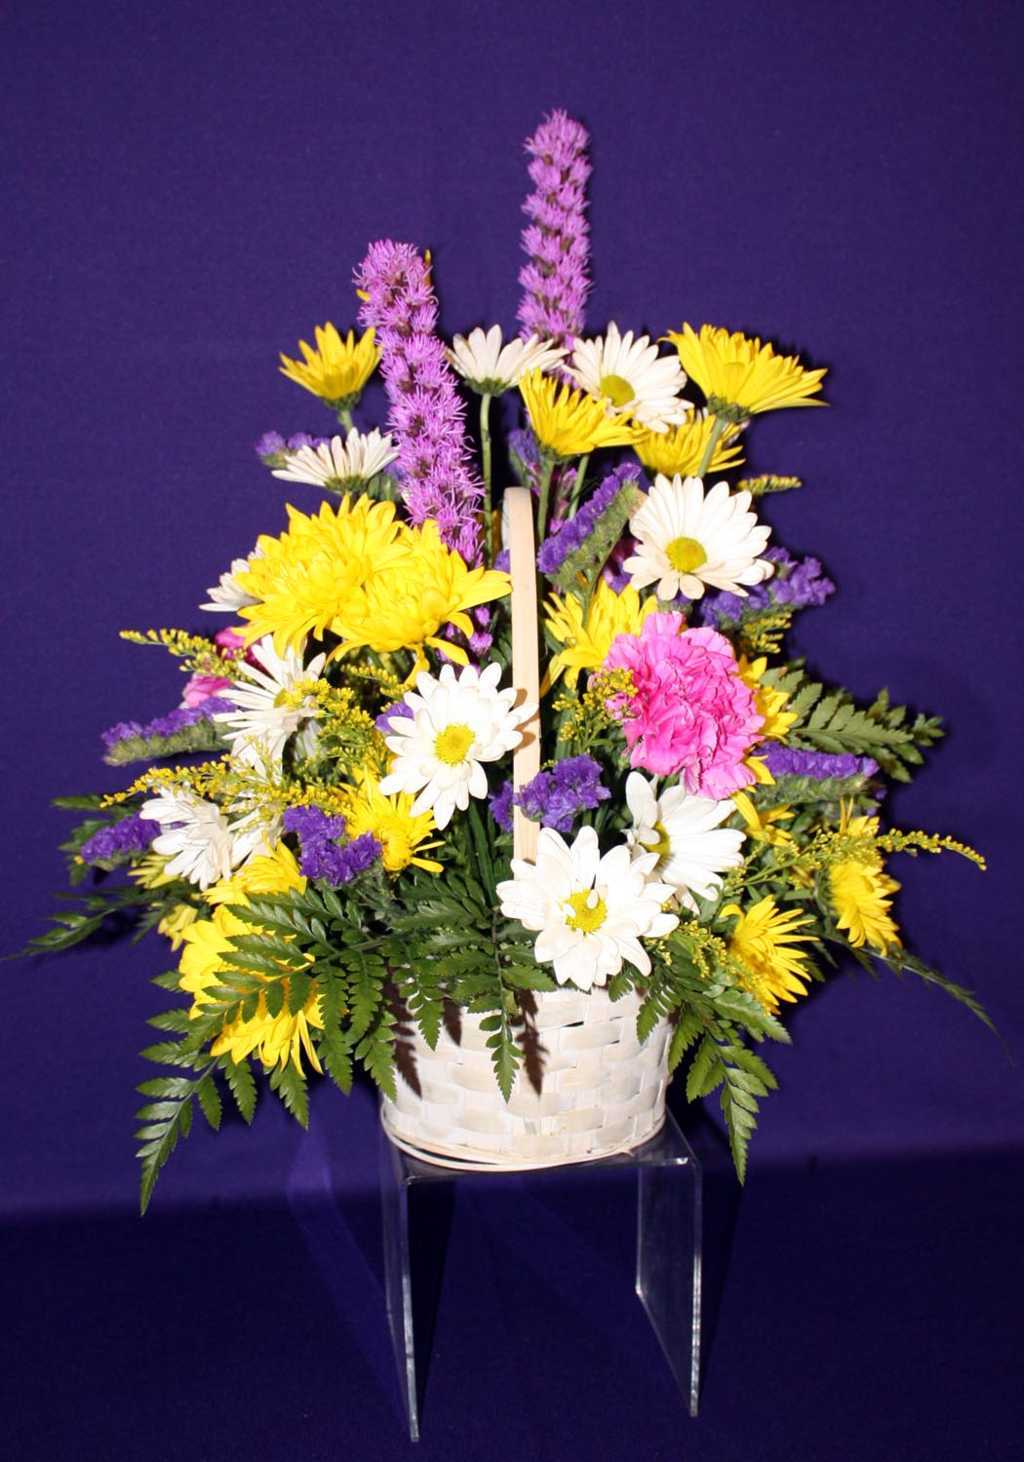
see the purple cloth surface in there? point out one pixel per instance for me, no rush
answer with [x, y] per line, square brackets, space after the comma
[191, 187]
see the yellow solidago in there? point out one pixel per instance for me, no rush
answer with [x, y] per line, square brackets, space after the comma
[739, 373]
[402, 836]
[767, 699]
[681, 449]
[568, 423]
[338, 369]
[861, 891]
[374, 582]
[762, 824]
[763, 941]
[588, 641]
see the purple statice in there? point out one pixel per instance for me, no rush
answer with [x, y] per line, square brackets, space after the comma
[131, 834]
[574, 533]
[426, 412]
[791, 761]
[795, 584]
[320, 853]
[501, 806]
[554, 798]
[270, 447]
[397, 708]
[525, 455]
[169, 725]
[556, 279]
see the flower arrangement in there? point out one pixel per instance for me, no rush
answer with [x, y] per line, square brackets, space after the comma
[332, 828]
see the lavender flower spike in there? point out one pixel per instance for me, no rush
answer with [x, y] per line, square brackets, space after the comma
[556, 280]
[426, 412]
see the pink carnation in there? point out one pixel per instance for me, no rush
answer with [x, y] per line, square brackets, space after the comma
[199, 688]
[689, 713]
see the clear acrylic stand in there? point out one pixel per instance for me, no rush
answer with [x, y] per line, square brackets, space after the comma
[668, 1250]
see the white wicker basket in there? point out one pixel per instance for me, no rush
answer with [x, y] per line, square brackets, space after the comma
[587, 1089]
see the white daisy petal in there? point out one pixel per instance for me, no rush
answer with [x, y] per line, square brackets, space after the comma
[491, 368]
[686, 540]
[632, 376]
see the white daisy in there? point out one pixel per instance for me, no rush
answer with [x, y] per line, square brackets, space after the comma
[227, 596]
[590, 911]
[632, 376]
[194, 836]
[683, 831]
[455, 726]
[686, 542]
[340, 465]
[491, 368]
[264, 719]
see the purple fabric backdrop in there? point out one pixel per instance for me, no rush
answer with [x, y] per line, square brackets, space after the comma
[189, 189]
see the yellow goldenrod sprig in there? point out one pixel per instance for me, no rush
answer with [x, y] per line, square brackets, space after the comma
[768, 482]
[198, 652]
[762, 634]
[588, 715]
[897, 840]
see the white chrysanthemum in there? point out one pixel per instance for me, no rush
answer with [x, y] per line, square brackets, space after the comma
[590, 912]
[684, 833]
[264, 717]
[340, 465]
[194, 837]
[686, 542]
[491, 368]
[457, 723]
[632, 377]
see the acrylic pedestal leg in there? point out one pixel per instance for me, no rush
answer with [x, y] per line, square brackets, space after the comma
[668, 1252]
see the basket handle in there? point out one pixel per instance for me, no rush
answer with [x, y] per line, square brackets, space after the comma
[525, 657]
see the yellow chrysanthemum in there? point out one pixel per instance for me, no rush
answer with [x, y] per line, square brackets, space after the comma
[762, 823]
[568, 423]
[737, 372]
[402, 836]
[275, 872]
[767, 699]
[275, 1039]
[680, 450]
[338, 369]
[354, 570]
[173, 924]
[587, 642]
[763, 941]
[861, 891]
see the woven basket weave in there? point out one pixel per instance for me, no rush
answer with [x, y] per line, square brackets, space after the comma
[587, 1089]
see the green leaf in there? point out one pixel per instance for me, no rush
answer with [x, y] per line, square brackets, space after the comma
[687, 1029]
[290, 1085]
[209, 1100]
[706, 1070]
[242, 1086]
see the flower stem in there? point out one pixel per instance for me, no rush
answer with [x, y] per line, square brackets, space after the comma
[485, 445]
[718, 427]
[345, 417]
[581, 473]
[547, 466]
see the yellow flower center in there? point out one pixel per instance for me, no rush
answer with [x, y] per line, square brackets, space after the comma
[660, 843]
[589, 910]
[451, 744]
[617, 389]
[685, 555]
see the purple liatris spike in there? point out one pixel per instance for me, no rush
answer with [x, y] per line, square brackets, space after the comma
[426, 413]
[556, 280]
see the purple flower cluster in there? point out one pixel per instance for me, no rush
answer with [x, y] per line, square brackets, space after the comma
[320, 855]
[555, 798]
[525, 455]
[795, 584]
[383, 721]
[426, 413]
[790, 761]
[169, 725]
[556, 281]
[572, 534]
[131, 835]
[272, 446]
